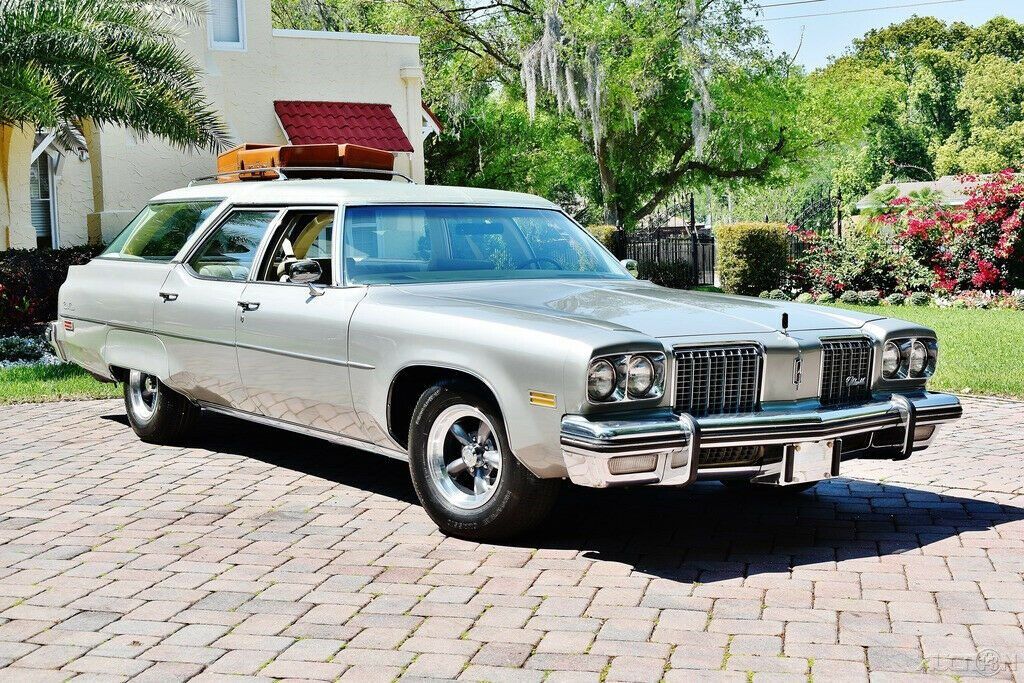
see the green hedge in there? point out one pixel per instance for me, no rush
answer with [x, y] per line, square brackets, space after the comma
[752, 257]
[605, 234]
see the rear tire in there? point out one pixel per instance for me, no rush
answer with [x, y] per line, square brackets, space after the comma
[157, 414]
[464, 471]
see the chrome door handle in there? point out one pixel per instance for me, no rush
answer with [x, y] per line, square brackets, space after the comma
[168, 296]
[249, 305]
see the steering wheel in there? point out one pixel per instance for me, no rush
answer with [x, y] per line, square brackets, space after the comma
[538, 260]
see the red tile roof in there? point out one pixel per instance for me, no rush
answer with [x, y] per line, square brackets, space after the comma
[359, 123]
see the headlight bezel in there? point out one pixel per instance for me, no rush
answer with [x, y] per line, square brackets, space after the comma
[906, 346]
[621, 363]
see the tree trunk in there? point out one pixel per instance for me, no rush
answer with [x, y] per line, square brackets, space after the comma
[608, 190]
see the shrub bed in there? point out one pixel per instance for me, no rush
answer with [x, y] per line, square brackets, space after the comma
[972, 299]
[914, 244]
[29, 281]
[678, 275]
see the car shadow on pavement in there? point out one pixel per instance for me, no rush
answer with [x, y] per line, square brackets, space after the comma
[711, 533]
[706, 533]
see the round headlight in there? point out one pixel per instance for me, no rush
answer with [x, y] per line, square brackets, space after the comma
[641, 376]
[890, 360]
[600, 380]
[918, 358]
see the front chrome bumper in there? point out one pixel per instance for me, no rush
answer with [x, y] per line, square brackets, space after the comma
[590, 447]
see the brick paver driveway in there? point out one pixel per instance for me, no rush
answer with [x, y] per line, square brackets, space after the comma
[253, 552]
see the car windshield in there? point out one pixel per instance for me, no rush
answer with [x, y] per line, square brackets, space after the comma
[409, 244]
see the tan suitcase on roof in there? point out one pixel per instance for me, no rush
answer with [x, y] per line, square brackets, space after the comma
[249, 158]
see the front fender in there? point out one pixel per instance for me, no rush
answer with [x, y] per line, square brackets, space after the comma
[511, 353]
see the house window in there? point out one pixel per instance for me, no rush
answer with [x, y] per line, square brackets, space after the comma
[227, 24]
[43, 200]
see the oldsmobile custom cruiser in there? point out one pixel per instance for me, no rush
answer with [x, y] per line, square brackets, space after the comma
[487, 339]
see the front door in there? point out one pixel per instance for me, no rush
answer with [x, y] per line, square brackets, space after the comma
[293, 341]
[199, 305]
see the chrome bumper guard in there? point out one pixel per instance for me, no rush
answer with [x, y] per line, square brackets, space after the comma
[50, 334]
[590, 448]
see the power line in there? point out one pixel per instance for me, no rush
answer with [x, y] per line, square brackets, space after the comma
[794, 2]
[857, 11]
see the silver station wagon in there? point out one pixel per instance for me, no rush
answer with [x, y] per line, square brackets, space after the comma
[487, 339]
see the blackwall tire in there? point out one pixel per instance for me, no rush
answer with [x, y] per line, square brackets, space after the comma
[157, 414]
[464, 472]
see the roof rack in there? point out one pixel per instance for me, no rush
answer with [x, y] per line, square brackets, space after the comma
[281, 173]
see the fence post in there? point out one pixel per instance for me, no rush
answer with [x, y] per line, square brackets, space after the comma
[695, 251]
[839, 212]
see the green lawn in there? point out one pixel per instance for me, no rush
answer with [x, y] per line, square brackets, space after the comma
[980, 351]
[35, 383]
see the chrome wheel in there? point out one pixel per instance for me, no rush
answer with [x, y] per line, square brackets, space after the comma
[464, 457]
[143, 391]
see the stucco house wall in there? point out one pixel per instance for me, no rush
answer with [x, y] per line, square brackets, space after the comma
[99, 195]
[15, 224]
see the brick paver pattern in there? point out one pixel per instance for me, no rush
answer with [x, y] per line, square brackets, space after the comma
[255, 553]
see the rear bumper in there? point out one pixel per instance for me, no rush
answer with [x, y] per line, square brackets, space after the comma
[665, 447]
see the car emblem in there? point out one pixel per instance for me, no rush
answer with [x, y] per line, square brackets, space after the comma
[798, 375]
[852, 382]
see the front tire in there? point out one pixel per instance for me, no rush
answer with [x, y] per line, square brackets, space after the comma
[157, 414]
[463, 469]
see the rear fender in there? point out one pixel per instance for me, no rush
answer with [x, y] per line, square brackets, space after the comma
[137, 351]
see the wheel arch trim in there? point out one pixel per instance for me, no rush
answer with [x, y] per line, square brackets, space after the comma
[442, 366]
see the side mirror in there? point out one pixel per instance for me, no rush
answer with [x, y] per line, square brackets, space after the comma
[304, 272]
[631, 266]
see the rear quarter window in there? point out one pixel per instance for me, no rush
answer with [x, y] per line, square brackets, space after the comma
[160, 231]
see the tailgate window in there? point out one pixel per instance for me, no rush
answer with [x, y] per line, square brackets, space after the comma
[160, 231]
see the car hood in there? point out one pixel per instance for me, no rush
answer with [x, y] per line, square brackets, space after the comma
[644, 307]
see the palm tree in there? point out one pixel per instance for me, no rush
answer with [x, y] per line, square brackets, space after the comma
[108, 61]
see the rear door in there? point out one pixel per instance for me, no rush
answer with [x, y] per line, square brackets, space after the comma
[199, 305]
[293, 342]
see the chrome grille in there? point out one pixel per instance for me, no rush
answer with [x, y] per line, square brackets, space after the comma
[721, 380]
[731, 455]
[845, 370]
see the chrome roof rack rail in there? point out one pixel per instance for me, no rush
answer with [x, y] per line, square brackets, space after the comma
[282, 173]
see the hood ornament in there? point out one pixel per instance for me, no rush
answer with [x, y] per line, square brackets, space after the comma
[785, 324]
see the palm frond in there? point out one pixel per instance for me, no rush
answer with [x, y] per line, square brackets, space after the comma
[114, 61]
[27, 95]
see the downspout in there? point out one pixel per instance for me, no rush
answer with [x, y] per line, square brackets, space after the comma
[412, 79]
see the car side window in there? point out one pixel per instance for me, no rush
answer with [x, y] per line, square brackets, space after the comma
[302, 234]
[160, 231]
[228, 253]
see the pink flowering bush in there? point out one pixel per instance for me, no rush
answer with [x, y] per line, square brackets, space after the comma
[858, 262]
[920, 245]
[978, 246]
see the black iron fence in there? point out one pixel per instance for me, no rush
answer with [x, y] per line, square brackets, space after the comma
[665, 246]
[671, 239]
